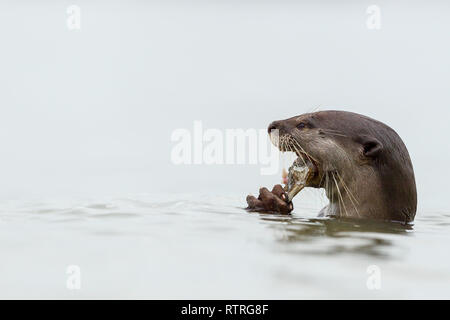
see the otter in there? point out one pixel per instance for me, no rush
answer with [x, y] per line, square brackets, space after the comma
[362, 164]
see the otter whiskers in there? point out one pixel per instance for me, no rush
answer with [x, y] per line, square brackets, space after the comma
[350, 194]
[334, 183]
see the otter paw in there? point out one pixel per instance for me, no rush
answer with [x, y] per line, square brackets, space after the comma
[274, 201]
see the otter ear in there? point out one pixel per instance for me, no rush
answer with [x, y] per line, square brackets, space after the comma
[371, 147]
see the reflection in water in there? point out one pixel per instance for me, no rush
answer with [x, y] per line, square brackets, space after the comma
[172, 246]
[356, 236]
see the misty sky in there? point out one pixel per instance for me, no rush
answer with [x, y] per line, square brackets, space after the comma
[92, 110]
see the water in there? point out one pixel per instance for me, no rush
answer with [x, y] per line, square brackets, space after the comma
[195, 246]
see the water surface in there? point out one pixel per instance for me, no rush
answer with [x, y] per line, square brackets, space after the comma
[195, 246]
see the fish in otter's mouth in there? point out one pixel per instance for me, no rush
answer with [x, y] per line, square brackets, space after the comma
[302, 171]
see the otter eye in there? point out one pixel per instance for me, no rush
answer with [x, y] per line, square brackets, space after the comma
[301, 125]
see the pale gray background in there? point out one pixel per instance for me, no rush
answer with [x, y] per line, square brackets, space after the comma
[92, 111]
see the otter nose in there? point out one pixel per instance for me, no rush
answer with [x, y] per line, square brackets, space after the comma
[272, 126]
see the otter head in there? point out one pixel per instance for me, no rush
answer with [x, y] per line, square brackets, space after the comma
[361, 163]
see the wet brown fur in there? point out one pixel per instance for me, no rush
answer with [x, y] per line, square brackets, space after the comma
[363, 164]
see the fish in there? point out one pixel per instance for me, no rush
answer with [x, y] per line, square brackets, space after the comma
[296, 178]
